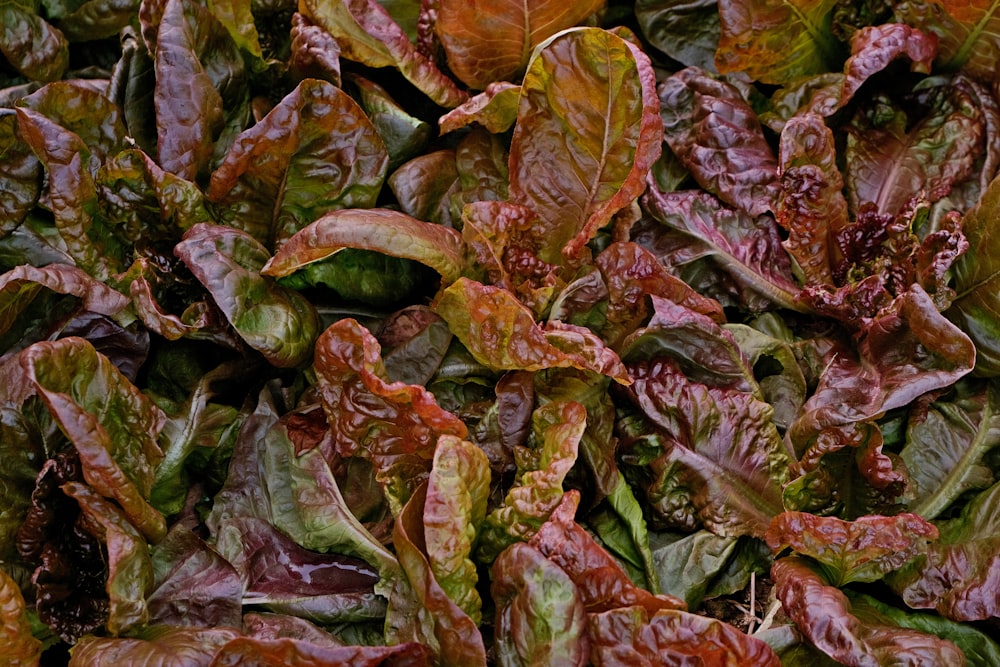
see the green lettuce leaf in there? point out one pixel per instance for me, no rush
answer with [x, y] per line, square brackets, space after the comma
[585, 136]
[404, 135]
[20, 174]
[688, 32]
[542, 466]
[277, 322]
[776, 41]
[454, 508]
[968, 32]
[420, 610]
[495, 109]
[315, 151]
[602, 583]
[487, 44]
[112, 425]
[540, 615]
[976, 308]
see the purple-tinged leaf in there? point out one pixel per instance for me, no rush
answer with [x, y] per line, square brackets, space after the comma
[631, 274]
[753, 270]
[20, 286]
[686, 31]
[924, 150]
[721, 448]
[403, 134]
[495, 109]
[281, 576]
[97, 19]
[20, 647]
[72, 192]
[811, 206]
[315, 54]
[776, 41]
[540, 615]
[130, 570]
[420, 609]
[716, 135]
[601, 581]
[367, 34]
[874, 47]
[542, 466]
[382, 230]
[635, 636]
[501, 333]
[488, 43]
[865, 549]
[824, 615]
[287, 652]
[75, 107]
[157, 646]
[112, 425]
[703, 350]
[424, 186]
[30, 44]
[189, 109]
[906, 350]
[193, 585]
[277, 322]
[960, 574]
[315, 151]
[586, 136]
[395, 425]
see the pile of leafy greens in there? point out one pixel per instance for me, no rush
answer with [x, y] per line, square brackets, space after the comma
[516, 333]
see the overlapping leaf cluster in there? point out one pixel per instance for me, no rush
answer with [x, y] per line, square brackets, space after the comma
[377, 333]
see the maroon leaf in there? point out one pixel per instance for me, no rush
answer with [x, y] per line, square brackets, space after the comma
[717, 136]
